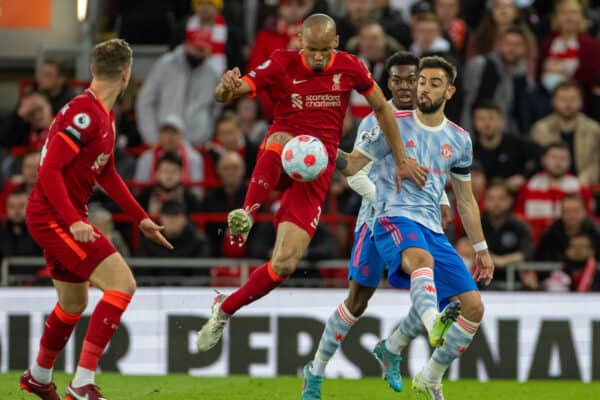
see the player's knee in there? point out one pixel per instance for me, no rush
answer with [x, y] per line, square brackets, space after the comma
[130, 286]
[473, 310]
[74, 307]
[279, 137]
[414, 258]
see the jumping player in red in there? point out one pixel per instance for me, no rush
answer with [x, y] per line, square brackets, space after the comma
[311, 89]
[78, 154]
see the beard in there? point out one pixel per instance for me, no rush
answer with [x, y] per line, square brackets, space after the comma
[556, 174]
[194, 61]
[430, 108]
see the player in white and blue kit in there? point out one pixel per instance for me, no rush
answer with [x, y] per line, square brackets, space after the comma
[408, 232]
[366, 266]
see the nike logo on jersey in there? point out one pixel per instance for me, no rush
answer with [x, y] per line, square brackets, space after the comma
[296, 82]
[411, 144]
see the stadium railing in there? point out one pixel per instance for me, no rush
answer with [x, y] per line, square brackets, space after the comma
[244, 265]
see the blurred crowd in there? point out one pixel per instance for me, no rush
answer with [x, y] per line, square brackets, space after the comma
[528, 91]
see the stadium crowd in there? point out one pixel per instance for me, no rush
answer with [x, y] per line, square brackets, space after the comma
[528, 91]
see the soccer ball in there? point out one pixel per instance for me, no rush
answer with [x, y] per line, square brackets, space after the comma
[304, 158]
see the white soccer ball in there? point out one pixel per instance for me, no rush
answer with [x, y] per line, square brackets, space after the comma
[304, 158]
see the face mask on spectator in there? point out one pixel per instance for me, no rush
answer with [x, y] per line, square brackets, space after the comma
[523, 3]
[551, 80]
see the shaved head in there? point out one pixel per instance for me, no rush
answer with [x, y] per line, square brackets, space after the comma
[322, 22]
[319, 40]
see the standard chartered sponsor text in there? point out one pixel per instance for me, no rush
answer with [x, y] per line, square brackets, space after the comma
[323, 100]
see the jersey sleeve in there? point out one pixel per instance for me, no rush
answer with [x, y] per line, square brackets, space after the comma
[462, 166]
[266, 74]
[78, 125]
[370, 141]
[363, 83]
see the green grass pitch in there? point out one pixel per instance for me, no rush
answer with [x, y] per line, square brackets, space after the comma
[180, 387]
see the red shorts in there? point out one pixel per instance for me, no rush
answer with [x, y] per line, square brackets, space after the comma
[302, 202]
[67, 260]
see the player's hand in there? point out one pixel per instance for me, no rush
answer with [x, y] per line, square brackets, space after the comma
[152, 232]
[83, 232]
[231, 79]
[484, 267]
[411, 170]
[446, 213]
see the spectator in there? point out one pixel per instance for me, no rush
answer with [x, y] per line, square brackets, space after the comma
[250, 119]
[579, 271]
[181, 82]
[578, 51]
[503, 15]
[392, 21]
[509, 239]
[372, 47]
[322, 247]
[101, 218]
[228, 137]
[568, 124]
[540, 197]
[29, 124]
[24, 179]
[27, 167]
[357, 14]
[225, 38]
[499, 76]
[14, 236]
[427, 36]
[51, 81]
[183, 235]
[281, 33]
[573, 220]
[228, 196]
[448, 13]
[171, 139]
[539, 96]
[168, 186]
[503, 156]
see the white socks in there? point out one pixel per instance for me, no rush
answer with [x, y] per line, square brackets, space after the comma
[40, 374]
[83, 377]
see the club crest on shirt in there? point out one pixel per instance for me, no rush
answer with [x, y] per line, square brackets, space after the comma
[337, 78]
[447, 151]
[82, 120]
[101, 161]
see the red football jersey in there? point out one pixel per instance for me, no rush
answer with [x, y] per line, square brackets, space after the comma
[309, 102]
[88, 128]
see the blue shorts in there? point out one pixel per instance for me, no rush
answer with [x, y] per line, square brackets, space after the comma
[393, 235]
[366, 265]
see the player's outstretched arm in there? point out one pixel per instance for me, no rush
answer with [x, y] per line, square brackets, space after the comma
[385, 117]
[231, 86]
[469, 214]
[114, 186]
[361, 183]
[350, 163]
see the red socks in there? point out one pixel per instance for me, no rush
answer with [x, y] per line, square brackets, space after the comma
[262, 281]
[104, 322]
[264, 178]
[57, 330]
